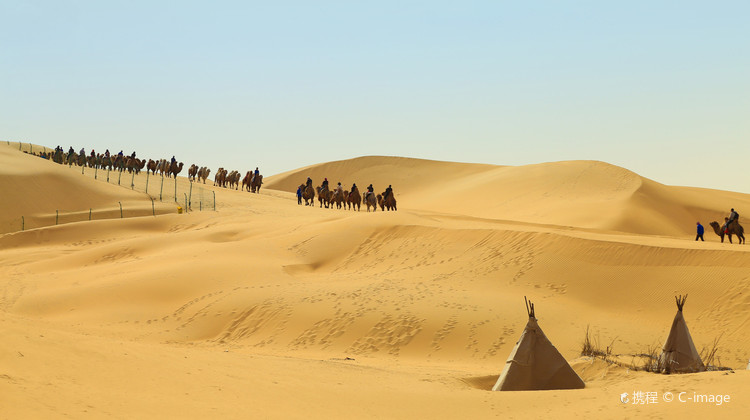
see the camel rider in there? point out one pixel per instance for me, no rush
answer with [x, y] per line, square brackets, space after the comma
[173, 160]
[93, 154]
[370, 190]
[257, 172]
[83, 152]
[132, 156]
[106, 153]
[733, 216]
[354, 187]
[325, 184]
[388, 192]
[309, 182]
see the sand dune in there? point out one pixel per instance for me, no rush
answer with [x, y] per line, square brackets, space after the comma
[585, 194]
[269, 309]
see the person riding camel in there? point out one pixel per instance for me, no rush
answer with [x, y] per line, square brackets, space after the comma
[340, 188]
[388, 192]
[354, 187]
[257, 172]
[309, 182]
[370, 190]
[132, 156]
[93, 154]
[106, 153]
[733, 217]
[324, 185]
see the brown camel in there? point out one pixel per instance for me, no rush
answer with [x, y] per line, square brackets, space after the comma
[174, 169]
[203, 173]
[220, 177]
[354, 198]
[323, 196]
[192, 172]
[339, 198]
[387, 203]
[233, 179]
[734, 228]
[257, 181]
[247, 180]
[151, 166]
[371, 201]
[308, 193]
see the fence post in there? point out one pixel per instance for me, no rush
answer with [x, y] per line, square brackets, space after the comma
[108, 169]
[214, 200]
[175, 188]
[147, 175]
[119, 177]
[132, 181]
[57, 216]
[152, 207]
[31, 149]
[23, 222]
[161, 189]
[190, 198]
[96, 170]
[120, 209]
[89, 214]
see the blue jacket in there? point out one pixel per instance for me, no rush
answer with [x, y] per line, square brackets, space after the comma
[700, 229]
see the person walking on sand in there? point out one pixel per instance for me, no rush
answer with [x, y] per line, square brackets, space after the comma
[299, 195]
[700, 232]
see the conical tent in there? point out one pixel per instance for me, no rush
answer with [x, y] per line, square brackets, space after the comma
[535, 364]
[679, 354]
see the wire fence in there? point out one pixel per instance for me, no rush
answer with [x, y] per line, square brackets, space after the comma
[185, 195]
[59, 217]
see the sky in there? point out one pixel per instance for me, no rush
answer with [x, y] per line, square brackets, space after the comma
[661, 88]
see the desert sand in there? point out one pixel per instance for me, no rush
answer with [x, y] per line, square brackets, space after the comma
[268, 309]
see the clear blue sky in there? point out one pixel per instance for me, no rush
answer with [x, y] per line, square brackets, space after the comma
[659, 87]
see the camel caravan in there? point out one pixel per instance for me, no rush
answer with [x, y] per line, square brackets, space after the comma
[119, 162]
[250, 182]
[347, 199]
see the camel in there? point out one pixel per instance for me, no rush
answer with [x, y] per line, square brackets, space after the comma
[174, 169]
[192, 172]
[163, 167]
[233, 179]
[151, 166]
[203, 173]
[354, 198]
[371, 201]
[220, 177]
[735, 228]
[339, 197]
[308, 193]
[247, 180]
[323, 196]
[256, 183]
[387, 203]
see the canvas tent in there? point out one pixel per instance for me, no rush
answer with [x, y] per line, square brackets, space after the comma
[535, 364]
[679, 354]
